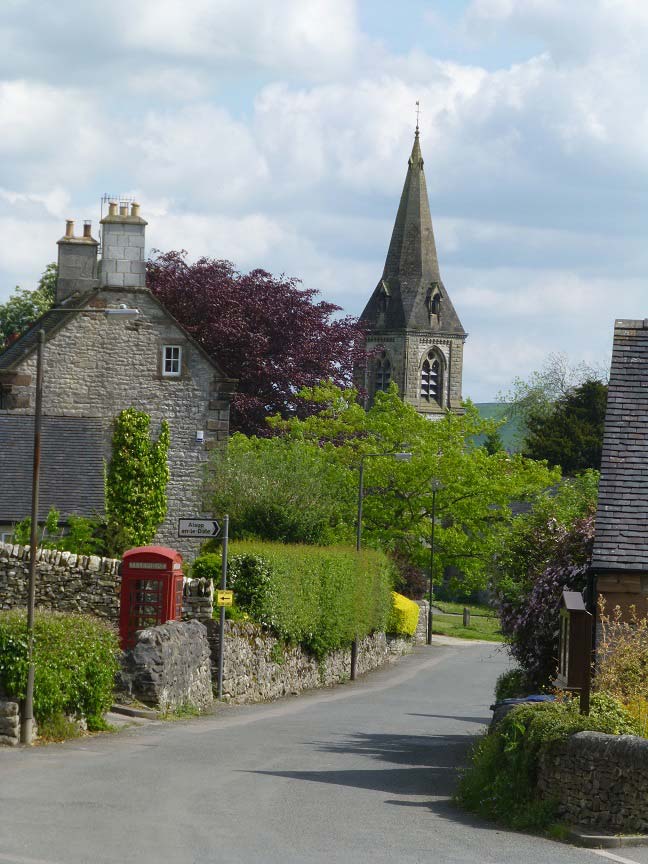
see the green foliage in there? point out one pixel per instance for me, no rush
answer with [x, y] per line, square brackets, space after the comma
[84, 537]
[283, 490]
[512, 684]
[622, 657]
[525, 550]
[570, 434]
[207, 566]
[75, 658]
[486, 628]
[321, 598]
[403, 616]
[25, 306]
[136, 481]
[501, 782]
[472, 505]
[58, 728]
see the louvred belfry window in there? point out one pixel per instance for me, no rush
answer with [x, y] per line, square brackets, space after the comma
[383, 372]
[431, 379]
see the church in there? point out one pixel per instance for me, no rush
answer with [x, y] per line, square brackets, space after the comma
[414, 335]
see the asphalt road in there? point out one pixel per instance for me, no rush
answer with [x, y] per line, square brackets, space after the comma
[360, 773]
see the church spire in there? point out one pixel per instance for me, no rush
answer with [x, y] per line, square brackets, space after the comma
[411, 277]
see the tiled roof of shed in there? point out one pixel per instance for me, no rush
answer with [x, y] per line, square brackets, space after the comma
[621, 537]
[71, 466]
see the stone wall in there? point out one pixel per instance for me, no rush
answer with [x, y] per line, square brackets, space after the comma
[599, 780]
[64, 582]
[259, 667]
[169, 667]
[9, 723]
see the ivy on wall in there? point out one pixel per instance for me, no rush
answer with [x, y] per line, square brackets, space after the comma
[136, 481]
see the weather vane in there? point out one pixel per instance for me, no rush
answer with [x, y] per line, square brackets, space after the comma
[418, 111]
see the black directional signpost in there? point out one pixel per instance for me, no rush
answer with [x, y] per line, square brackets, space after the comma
[198, 527]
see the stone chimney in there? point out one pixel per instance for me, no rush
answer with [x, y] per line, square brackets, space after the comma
[77, 262]
[123, 262]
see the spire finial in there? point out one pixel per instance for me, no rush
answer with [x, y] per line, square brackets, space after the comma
[418, 111]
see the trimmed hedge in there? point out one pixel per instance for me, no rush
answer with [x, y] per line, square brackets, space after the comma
[319, 597]
[403, 617]
[75, 658]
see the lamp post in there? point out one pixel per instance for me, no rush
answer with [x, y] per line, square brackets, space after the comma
[400, 457]
[27, 722]
[436, 485]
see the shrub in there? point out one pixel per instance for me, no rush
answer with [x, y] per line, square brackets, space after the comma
[403, 617]
[207, 566]
[75, 658]
[319, 597]
[622, 667]
[512, 685]
[501, 782]
[531, 624]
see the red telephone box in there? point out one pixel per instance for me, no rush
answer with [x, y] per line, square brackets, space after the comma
[151, 590]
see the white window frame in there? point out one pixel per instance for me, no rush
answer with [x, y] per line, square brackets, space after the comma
[176, 362]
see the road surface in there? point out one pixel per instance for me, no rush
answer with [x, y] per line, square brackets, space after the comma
[359, 773]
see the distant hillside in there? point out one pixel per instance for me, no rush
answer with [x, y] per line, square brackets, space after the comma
[510, 431]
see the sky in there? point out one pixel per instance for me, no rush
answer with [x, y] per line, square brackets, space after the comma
[276, 135]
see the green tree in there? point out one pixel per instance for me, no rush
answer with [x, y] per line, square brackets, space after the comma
[570, 433]
[25, 306]
[136, 481]
[283, 489]
[472, 505]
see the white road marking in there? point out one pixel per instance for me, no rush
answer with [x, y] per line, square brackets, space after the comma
[612, 857]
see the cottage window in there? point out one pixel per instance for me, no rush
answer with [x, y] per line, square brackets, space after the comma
[171, 361]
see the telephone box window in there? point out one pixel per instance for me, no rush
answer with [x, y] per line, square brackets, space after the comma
[171, 361]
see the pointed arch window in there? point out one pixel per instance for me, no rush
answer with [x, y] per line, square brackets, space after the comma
[383, 372]
[433, 299]
[432, 378]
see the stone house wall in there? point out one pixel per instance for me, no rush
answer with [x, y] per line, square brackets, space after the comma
[98, 365]
[599, 780]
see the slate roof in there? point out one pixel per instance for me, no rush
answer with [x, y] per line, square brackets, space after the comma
[621, 536]
[412, 266]
[49, 322]
[72, 471]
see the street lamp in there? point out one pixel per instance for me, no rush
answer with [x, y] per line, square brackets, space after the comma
[399, 457]
[27, 724]
[436, 485]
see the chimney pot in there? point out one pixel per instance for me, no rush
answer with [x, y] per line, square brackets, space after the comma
[69, 227]
[87, 228]
[135, 209]
[123, 209]
[112, 208]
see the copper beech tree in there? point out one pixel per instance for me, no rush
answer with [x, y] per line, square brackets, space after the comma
[264, 330]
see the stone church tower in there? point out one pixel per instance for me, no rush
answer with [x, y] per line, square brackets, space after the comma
[410, 316]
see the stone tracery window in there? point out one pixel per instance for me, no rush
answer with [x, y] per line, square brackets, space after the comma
[432, 378]
[383, 372]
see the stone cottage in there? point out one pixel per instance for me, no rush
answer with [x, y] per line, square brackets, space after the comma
[96, 365]
[410, 319]
[620, 556]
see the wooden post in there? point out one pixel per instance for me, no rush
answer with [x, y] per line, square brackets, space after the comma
[466, 617]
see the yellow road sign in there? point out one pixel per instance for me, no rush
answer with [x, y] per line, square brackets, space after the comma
[224, 598]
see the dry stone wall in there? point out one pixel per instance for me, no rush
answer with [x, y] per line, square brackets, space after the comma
[169, 667]
[599, 780]
[258, 667]
[9, 723]
[64, 582]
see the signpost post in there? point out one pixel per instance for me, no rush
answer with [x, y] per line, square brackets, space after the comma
[221, 629]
